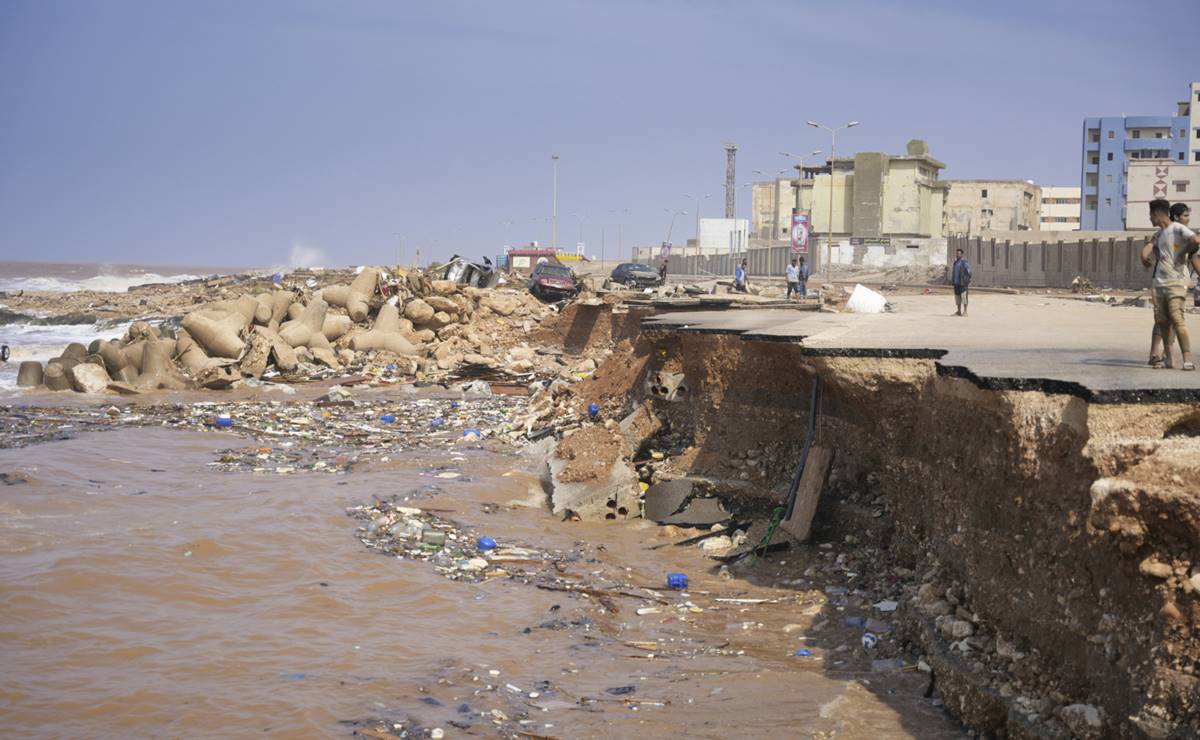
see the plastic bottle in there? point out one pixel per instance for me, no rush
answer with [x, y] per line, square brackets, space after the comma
[677, 581]
[485, 544]
[388, 418]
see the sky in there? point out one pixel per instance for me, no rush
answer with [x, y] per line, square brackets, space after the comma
[313, 132]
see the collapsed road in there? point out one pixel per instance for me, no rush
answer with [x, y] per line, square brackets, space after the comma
[1002, 506]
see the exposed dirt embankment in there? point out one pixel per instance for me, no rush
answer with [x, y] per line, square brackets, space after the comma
[1055, 545]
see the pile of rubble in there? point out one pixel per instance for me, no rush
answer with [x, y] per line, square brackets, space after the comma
[405, 321]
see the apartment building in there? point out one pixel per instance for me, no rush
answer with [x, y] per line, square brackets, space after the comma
[1060, 208]
[1110, 144]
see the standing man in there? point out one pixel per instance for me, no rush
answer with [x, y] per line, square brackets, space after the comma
[960, 276]
[739, 278]
[662, 273]
[1171, 250]
[803, 274]
[793, 279]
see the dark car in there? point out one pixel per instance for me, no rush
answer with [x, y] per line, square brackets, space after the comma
[635, 275]
[550, 281]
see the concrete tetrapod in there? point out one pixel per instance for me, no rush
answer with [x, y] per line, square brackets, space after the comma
[385, 334]
[56, 378]
[281, 301]
[158, 370]
[218, 338]
[299, 332]
[355, 297]
[336, 326]
[191, 355]
[29, 374]
[114, 356]
[322, 352]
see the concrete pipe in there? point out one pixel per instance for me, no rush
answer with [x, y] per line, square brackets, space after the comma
[335, 326]
[55, 377]
[217, 338]
[29, 374]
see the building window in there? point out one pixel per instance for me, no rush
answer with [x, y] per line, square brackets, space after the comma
[1182, 158]
[1108, 178]
[1090, 204]
[986, 212]
[1136, 134]
[1158, 134]
[1110, 156]
[1183, 133]
[1198, 156]
[1108, 202]
[983, 193]
[1112, 135]
[1094, 136]
[1181, 186]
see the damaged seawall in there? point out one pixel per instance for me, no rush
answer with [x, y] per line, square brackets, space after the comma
[1067, 531]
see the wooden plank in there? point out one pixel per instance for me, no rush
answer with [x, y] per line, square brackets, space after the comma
[812, 482]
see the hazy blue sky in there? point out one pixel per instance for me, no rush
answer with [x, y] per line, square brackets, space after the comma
[209, 132]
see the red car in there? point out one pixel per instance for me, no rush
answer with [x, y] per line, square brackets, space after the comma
[553, 282]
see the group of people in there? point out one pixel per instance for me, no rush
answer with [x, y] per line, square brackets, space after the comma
[1169, 253]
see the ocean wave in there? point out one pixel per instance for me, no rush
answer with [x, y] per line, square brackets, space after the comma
[99, 283]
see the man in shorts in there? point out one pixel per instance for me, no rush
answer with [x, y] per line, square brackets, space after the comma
[1170, 251]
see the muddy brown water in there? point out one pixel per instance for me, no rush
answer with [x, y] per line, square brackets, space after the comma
[143, 593]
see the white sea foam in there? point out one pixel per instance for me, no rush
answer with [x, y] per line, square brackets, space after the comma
[101, 283]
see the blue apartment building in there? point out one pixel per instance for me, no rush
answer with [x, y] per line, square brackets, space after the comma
[1109, 144]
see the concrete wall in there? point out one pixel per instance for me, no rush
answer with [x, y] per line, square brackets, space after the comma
[1047, 260]
[1161, 178]
[975, 206]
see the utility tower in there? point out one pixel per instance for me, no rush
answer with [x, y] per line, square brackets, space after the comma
[730, 180]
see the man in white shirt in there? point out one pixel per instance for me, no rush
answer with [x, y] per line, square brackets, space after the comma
[793, 279]
[1169, 253]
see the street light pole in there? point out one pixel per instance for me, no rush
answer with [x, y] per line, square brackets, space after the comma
[554, 207]
[832, 163]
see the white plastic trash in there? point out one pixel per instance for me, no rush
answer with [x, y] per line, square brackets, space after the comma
[865, 300]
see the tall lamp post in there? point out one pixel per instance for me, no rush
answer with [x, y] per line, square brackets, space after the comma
[799, 172]
[399, 251]
[554, 207]
[832, 163]
[696, 198]
[581, 218]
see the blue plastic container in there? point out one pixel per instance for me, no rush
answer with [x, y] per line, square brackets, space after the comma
[677, 581]
[476, 432]
[454, 404]
[224, 421]
[593, 410]
[388, 418]
[486, 543]
[437, 423]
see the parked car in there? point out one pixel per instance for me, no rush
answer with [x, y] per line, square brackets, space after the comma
[635, 275]
[552, 282]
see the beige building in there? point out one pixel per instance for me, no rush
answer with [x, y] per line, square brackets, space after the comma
[1060, 208]
[975, 206]
[1148, 179]
[875, 195]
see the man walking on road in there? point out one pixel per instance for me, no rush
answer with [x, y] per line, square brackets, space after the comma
[793, 279]
[802, 272]
[1169, 253]
[960, 275]
[739, 278]
[662, 273]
